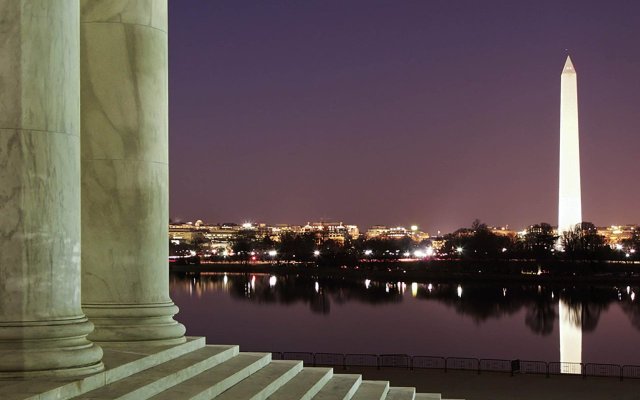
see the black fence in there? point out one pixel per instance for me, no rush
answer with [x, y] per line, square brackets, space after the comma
[477, 365]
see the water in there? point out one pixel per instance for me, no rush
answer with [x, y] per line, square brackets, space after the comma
[506, 321]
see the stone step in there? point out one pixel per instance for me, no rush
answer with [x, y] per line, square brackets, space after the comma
[305, 385]
[371, 390]
[120, 362]
[264, 382]
[428, 396]
[152, 381]
[339, 387]
[401, 393]
[123, 362]
[217, 379]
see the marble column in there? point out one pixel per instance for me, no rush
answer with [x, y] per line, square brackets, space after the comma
[125, 198]
[43, 331]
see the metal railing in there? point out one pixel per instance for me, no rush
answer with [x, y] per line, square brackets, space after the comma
[478, 365]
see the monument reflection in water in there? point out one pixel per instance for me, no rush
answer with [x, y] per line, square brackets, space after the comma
[570, 337]
[481, 320]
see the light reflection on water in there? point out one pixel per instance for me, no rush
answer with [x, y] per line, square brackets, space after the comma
[298, 313]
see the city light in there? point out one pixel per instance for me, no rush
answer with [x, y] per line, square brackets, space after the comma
[414, 289]
[430, 252]
[272, 280]
[272, 253]
[316, 253]
[459, 291]
[414, 228]
[317, 287]
[368, 252]
[367, 283]
[459, 250]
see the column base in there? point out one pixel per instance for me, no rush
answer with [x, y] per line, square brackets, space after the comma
[144, 324]
[56, 348]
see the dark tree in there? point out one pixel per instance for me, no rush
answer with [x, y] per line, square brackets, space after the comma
[297, 247]
[583, 242]
[539, 240]
[241, 248]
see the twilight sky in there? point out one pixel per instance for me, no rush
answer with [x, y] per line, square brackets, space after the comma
[399, 112]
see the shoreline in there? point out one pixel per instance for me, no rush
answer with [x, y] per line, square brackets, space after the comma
[440, 271]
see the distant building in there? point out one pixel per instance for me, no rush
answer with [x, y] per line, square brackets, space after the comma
[183, 233]
[398, 232]
[615, 234]
[336, 231]
[503, 231]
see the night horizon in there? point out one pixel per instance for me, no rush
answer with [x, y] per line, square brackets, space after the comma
[282, 200]
[413, 113]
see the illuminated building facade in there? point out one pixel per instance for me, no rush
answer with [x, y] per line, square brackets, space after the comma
[336, 231]
[398, 232]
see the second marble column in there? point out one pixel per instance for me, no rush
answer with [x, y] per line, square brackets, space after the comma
[124, 124]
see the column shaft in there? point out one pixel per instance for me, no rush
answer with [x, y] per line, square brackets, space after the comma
[43, 331]
[125, 200]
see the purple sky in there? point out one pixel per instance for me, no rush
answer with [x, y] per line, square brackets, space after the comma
[399, 112]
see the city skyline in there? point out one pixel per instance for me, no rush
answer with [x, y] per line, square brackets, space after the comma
[441, 119]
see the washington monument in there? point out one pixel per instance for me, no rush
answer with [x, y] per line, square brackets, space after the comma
[569, 202]
[569, 211]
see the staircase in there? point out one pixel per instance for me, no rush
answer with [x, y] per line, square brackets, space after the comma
[196, 371]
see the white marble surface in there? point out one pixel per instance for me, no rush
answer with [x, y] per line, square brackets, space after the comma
[569, 192]
[42, 327]
[152, 13]
[124, 94]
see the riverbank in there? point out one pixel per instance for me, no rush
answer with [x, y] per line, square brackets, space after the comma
[503, 386]
[442, 271]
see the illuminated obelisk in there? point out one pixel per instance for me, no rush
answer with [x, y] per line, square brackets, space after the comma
[569, 211]
[570, 203]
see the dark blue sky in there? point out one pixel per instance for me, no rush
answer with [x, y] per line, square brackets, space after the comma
[399, 112]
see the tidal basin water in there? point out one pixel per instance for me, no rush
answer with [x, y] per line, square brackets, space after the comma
[262, 312]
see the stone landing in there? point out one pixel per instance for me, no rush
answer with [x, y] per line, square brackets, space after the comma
[194, 370]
